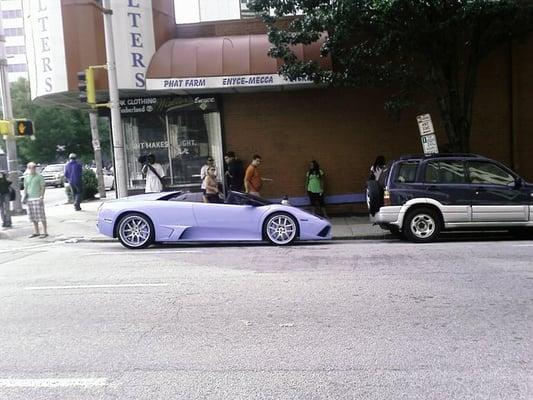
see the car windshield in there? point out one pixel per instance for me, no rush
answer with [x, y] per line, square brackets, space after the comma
[235, 198]
[54, 168]
[246, 199]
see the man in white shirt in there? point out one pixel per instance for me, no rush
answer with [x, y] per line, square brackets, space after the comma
[154, 174]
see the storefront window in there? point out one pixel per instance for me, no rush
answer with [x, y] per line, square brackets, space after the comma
[193, 136]
[144, 135]
[180, 132]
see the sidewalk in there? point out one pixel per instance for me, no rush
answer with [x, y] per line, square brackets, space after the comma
[65, 224]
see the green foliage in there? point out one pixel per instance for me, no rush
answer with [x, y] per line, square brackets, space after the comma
[54, 126]
[407, 45]
[90, 184]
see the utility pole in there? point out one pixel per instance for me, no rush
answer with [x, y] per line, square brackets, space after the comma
[11, 144]
[116, 124]
[93, 118]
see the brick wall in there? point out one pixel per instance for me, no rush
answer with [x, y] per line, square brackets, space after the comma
[345, 129]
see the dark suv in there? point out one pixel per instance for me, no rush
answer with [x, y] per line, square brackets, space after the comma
[419, 196]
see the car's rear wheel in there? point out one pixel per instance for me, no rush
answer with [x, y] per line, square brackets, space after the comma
[135, 231]
[374, 196]
[421, 225]
[280, 229]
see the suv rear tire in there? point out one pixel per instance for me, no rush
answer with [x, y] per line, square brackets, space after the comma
[374, 196]
[422, 225]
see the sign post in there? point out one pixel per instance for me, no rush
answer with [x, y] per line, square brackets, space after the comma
[427, 134]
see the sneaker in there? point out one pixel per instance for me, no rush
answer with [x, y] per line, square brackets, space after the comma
[33, 235]
[43, 235]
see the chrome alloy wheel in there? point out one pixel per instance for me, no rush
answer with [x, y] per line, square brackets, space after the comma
[423, 226]
[281, 229]
[135, 231]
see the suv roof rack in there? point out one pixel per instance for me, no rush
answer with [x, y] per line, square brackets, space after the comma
[438, 155]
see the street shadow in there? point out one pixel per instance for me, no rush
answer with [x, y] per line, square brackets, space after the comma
[193, 245]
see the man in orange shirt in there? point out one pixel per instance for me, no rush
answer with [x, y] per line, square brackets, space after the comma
[252, 179]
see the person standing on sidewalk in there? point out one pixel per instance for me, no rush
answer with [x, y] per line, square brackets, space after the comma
[315, 187]
[234, 173]
[5, 199]
[73, 174]
[154, 174]
[211, 186]
[34, 187]
[203, 174]
[252, 179]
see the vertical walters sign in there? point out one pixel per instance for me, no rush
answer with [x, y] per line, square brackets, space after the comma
[133, 31]
[43, 24]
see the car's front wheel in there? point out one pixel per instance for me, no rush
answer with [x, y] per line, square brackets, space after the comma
[135, 231]
[421, 225]
[280, 229]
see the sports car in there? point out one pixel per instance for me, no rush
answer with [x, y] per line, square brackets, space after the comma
[139, 221]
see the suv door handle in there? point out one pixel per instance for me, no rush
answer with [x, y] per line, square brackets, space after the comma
[480, 189]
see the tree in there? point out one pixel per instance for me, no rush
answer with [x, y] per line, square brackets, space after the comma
[410, 46]
[59, 131]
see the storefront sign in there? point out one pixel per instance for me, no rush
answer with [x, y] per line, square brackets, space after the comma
[133, 31]
[141, 105]
[222, 82]
[43, 25]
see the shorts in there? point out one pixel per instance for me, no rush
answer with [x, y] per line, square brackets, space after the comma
[36, 210]
[212, 198]
[316, 199]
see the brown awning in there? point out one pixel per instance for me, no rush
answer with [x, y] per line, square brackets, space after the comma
[230, 56]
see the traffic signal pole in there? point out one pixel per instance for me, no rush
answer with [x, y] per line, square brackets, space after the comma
[116, 123]
[11, 145]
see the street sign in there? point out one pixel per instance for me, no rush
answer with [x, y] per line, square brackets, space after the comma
[96, 144]
[429, 144]
[6, 127]
[425, 125]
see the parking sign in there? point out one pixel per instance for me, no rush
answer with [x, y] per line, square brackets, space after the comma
[425, 125]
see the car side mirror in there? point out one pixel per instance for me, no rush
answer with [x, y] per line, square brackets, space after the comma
[518, 183]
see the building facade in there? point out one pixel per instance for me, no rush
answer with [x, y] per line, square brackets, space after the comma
[198, 90]
[13, 24]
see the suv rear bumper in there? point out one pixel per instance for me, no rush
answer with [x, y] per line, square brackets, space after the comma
[389, 215]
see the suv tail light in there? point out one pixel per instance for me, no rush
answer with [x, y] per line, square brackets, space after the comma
[386, 198]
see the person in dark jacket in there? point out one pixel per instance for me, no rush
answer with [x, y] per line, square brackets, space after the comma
[5, 198]
[73, 173]
[234, 172]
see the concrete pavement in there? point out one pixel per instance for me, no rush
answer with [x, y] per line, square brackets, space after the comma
[64, 223]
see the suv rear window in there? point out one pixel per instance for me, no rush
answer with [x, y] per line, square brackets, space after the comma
[407, 172]
[445, 172]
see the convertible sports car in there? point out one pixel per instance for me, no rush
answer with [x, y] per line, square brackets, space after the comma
[138, 221]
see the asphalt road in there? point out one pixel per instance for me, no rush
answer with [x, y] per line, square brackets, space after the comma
[344, 320]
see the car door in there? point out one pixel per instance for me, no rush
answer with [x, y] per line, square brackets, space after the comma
[227, 221]
[496, 195]
[445, 181]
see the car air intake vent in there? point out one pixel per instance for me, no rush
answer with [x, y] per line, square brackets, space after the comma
[324, 232]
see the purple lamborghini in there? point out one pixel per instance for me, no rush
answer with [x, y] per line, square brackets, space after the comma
[139, 221]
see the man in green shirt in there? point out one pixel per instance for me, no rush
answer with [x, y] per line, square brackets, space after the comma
[34, 187]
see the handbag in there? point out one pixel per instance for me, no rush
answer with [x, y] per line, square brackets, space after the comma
[12, 194]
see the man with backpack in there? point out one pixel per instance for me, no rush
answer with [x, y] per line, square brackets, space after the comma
[154, 174]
